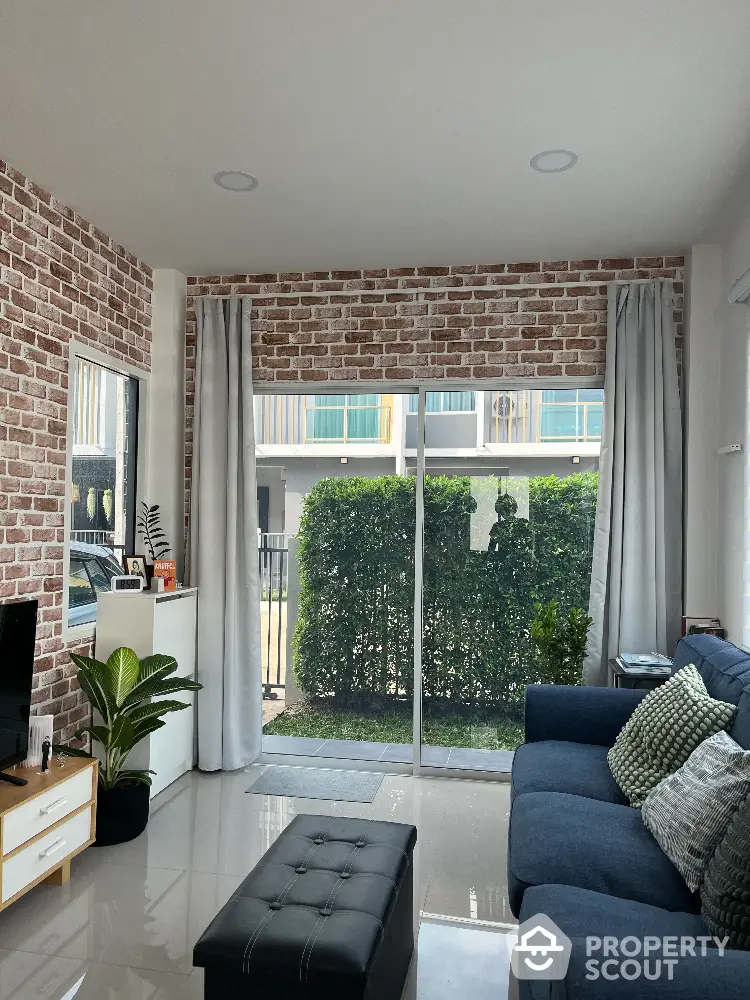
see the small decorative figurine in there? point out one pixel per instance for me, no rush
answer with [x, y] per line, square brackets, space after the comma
[46, 751]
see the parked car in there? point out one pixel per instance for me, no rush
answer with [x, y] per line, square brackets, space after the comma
[90, 573]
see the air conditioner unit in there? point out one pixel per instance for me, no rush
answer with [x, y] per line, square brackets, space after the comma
[740, 290]
[502, 405]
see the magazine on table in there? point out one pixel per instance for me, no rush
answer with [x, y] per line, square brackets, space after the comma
[652, 663]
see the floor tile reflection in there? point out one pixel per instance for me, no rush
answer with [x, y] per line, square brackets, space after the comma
[456, 959]
[124, 927]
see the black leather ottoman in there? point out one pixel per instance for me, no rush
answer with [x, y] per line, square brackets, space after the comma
[327, 913]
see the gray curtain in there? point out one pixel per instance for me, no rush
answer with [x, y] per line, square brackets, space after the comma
[636, 577]
[223, 538]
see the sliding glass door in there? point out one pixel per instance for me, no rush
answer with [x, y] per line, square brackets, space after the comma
[409, 542]
[506, 547]
[343, 514]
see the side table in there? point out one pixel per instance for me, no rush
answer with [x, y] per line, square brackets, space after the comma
[644, 679]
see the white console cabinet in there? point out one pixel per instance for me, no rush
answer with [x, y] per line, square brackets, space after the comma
[156, 623]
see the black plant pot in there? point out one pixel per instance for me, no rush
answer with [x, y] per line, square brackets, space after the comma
[121, 813]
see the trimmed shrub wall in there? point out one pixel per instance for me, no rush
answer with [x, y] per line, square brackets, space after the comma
[484, 567]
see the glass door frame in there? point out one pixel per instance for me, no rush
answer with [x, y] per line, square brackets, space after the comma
[420, 388]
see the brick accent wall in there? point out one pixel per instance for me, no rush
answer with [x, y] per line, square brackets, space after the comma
[400, 327]
[60, 277]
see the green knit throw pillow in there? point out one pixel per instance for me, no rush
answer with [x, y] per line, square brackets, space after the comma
[663, 731]
[725, 892]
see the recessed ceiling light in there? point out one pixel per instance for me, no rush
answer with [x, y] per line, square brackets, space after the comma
[235, 180]
[553, 161]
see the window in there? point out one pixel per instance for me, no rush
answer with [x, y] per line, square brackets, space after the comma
[347, 419]
[103, 470]
[445, 402]
[571, 415]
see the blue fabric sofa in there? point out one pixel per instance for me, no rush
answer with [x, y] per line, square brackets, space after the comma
[580, 854]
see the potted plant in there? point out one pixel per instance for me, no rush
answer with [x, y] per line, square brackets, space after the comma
[121, 692]
[560, 642]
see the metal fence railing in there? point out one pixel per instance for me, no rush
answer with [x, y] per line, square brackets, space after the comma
[273, 569]
[105, 539]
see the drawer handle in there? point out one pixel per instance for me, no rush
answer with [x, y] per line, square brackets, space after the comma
[53, 807]
[57, 846]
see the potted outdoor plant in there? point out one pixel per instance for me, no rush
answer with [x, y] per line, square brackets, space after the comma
[560, 642]
[121, 692]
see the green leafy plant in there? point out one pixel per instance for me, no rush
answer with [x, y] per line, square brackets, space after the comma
[121, 692]
[91, 503]
[149, 528]
[490, 554]
[560, 642]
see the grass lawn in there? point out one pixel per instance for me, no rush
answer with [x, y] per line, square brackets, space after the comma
[322, 721]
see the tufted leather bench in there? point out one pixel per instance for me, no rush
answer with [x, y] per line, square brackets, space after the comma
[327, 913]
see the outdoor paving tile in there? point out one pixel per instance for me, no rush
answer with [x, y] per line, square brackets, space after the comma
[301, 746]
[435, 756]
[398, 753]
[481, 760]
[351, 750]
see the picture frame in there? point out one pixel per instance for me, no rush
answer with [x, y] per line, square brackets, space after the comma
[135, 565]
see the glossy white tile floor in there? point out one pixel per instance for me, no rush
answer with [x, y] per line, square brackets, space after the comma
[125, 925]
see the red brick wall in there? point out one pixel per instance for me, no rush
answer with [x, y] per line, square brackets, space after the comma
[396, 328]
[60, 277]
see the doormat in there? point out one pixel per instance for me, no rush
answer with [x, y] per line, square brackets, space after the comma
[317, 783]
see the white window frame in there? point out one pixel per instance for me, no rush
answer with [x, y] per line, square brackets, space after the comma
[78, 350]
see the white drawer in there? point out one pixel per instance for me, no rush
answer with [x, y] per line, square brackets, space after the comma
[45, 854]
[34, 816]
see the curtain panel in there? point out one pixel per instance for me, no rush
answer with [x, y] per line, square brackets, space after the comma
[636, 576]
[223, 538]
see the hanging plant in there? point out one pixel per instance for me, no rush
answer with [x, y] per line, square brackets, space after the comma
[76, 493]
[91, 503]
[107, 505]
[149, 528]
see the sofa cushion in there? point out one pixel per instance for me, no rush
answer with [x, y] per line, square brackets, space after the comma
[664, 730]
[555, 766]
[740, 731]
[571, 840]
[689, 811]
[582, 914]
[724, 667]
[725, 893]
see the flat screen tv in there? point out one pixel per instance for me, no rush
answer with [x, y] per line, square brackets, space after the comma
[17, 638]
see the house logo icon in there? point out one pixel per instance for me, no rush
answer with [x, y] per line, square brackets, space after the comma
[539, 949]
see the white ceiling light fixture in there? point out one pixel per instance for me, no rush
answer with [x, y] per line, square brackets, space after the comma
[235, 180]
[553, 161]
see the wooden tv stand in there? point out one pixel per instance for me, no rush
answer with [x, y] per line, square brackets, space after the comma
[44, 824]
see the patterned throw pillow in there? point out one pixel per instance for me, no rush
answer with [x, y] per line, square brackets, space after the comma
[663, 731]
[725, 893]
[689, 811]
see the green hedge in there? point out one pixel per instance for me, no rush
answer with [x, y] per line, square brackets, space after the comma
[484, 567]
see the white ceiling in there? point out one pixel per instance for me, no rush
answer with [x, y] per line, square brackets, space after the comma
[383, 133]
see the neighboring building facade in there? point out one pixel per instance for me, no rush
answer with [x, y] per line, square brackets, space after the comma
[301, 439]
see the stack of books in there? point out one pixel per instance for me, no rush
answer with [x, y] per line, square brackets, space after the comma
[645, 663]
[703, 626]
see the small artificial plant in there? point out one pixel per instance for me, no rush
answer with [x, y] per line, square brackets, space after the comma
[121, 692]
[560, 642]
[149, 527]
[107, 505]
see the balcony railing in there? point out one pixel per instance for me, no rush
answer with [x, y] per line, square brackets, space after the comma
[509, 419]
[578, 421]
[282, 420]
[519, 416]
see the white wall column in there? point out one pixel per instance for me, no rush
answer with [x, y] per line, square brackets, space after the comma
[701, 408]
[166, 431]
